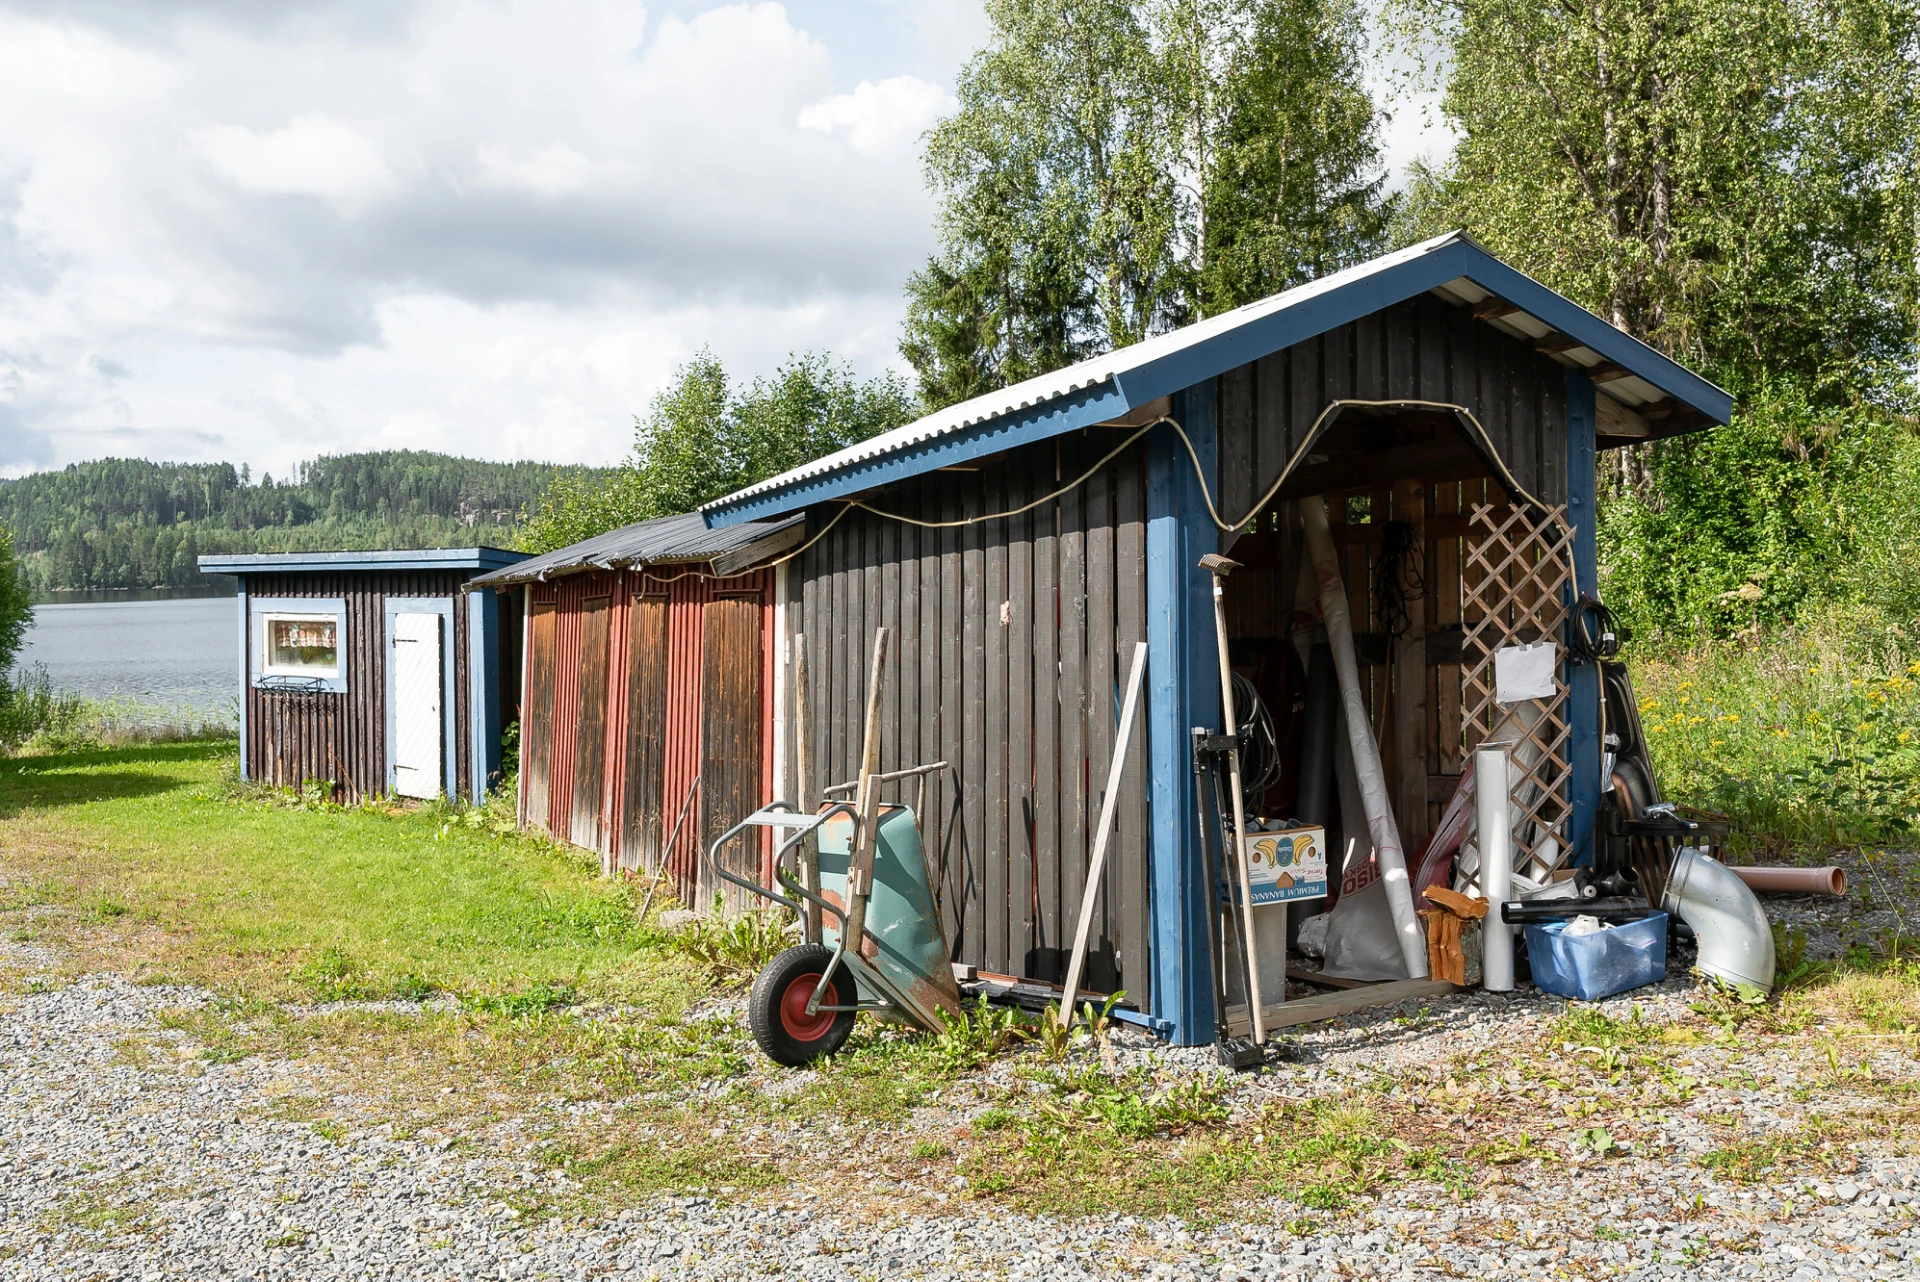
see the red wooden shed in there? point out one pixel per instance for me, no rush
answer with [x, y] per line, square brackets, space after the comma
[650, 666]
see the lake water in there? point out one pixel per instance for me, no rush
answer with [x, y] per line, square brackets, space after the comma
[164, 654]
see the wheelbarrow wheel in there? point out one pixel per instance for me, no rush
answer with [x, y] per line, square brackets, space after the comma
[777, 1008]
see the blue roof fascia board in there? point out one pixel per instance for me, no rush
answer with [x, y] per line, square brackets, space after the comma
[1083, 408]
[422, 559]
[1576, 322]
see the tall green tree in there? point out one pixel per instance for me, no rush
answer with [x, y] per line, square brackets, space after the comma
[16, 605]
[702, 438]
[1731, 180]
[1120, 167]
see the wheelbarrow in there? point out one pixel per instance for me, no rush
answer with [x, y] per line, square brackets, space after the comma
[803, 1004]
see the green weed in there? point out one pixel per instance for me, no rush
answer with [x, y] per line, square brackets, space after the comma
[980, 1032]
[736, 947]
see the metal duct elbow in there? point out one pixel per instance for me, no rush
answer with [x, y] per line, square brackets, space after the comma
[1736, 940]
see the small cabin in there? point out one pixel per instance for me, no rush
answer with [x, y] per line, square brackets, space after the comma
[650, 687]
[371, 673]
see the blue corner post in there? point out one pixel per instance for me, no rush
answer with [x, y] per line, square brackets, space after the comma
[483, 681]
[1183, 692]
[245, 676]
[1583, 679]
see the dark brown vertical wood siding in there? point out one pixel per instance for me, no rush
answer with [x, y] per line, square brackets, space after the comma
[1007, 657]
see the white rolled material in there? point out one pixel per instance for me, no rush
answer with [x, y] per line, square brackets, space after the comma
[1387, 852]
[1493, 808]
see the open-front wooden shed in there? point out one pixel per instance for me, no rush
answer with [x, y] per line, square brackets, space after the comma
[1444, 409]
[649, 689]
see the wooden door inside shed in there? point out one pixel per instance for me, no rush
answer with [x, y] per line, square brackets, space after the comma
[536, 722]
[642, 834]
[729, 738]
[590, 731]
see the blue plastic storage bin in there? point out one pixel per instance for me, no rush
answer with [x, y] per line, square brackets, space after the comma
[1609, 961]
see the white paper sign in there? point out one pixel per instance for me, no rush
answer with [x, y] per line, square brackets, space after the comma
[1524, 672]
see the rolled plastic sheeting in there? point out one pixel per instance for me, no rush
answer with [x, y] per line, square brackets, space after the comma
[1794, 881]
[1736, 940]
[1387, 851]
[1493, 807]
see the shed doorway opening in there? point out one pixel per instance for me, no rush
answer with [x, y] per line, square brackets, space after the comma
[1441, 567]
[414, 689]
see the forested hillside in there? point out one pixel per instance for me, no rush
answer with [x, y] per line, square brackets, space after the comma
[129, 523]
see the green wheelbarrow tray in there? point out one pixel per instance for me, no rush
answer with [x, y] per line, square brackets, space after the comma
[904, 953]
[902, 956]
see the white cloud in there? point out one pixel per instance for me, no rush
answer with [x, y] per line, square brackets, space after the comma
[257, 232]
[880, 117]
[312, 156]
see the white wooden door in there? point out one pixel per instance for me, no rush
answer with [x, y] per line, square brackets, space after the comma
[415, 690]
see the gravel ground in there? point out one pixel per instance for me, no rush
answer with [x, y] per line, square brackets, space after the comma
[125, 1154]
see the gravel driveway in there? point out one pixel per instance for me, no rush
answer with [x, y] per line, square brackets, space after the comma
[125, 1154]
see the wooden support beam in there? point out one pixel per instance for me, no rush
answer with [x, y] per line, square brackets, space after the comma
[1611, 418]
[1554, 344]
[1608, 372]
[1141, 415]
[1310, 1010]
[1410, 734]
[1449, 458]
[1494, 309]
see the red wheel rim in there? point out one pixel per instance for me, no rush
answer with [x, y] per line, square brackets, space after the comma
[801, 1026]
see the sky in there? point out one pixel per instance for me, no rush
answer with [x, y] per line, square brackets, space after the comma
[261, 231]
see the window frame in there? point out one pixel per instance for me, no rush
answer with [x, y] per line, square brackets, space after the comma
[265, 611]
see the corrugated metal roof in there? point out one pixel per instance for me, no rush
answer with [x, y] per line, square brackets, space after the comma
[665, 540]
[1104, 387]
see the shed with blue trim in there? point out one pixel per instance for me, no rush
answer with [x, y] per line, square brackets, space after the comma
[372, 673]
[1021, 542]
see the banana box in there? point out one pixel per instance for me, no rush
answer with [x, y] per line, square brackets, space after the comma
[1288, 864]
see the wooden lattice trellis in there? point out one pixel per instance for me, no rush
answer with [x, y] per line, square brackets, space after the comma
[1519, 568]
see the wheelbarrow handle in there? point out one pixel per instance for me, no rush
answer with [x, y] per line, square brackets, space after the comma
[806, 826]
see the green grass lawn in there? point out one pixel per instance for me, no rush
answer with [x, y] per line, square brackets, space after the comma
[217, 884]
[152, 862]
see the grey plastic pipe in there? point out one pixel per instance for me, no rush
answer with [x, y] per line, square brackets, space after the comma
[1736, 940]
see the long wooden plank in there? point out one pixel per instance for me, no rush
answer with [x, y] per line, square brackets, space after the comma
[536, 729]
[1410, 710]
[1311, 1010]
[730, 735]
[1023, 488]
[1048, 920]
[939, 788]
[1131, 882]
[995, 627]
[973, 678]
[1272, 442]
[1236, 431]
[643, 799]
[590, 731]
[1073, 692]
[954, 853]
[1102, 695]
